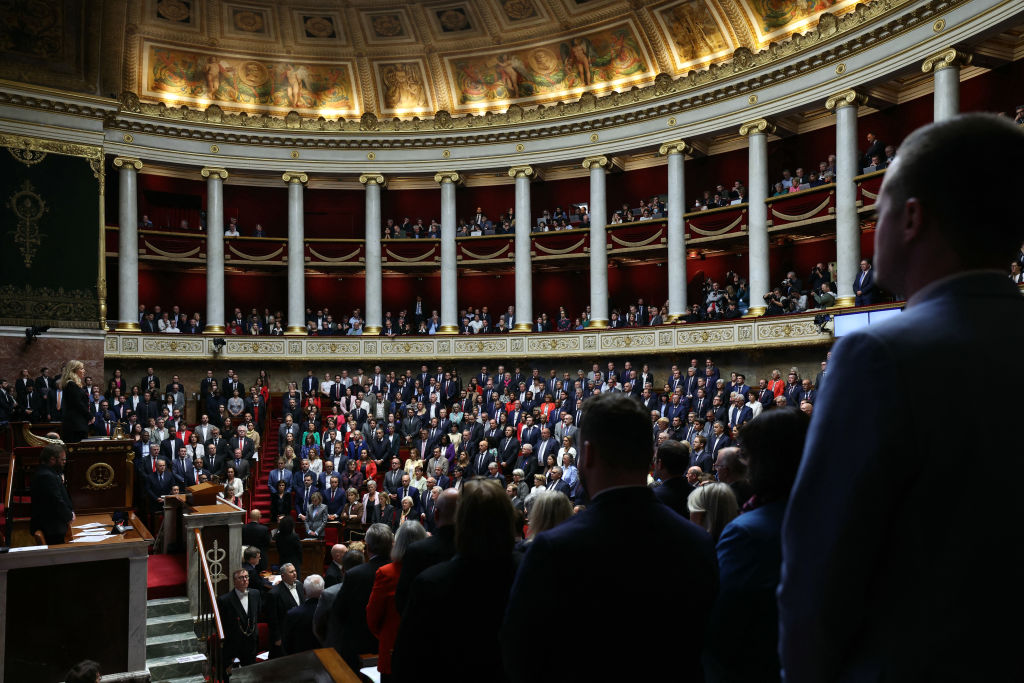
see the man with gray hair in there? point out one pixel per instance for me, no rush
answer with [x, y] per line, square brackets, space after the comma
[438, 548]
[283, 597]
[352, 636]
[298, 622]
[733, 471]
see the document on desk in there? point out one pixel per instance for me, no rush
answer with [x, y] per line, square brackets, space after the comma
[28, 547]
[90, 539]
[93, 532]
[91, 525]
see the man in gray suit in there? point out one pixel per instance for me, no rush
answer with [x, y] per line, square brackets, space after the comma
[873, 559]
[282, 433]
[566, 428]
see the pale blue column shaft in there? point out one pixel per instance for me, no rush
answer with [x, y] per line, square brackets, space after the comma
[128, 246]
[449, 279]
[947, 92]
[215, 250]
[598, 245]
[296, 258]
[758, 217]
[847, 220]
[374, 318]
[524, 264]
[676, 234]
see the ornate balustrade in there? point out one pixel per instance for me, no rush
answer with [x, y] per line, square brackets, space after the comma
[746, 333]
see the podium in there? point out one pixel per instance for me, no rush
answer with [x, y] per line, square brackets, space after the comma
[324, 665]
[62, 604]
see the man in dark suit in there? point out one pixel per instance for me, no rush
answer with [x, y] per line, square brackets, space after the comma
[526, 462]
[284, 596]
[478, 464]
[238, 463]
[298, 622]
[159, 485]
[243, 443]
[257, 535]
[670, 465]
[864, 285]
[435, 549]
[51, 505]
[406, 489]
[348, 614]
[868, 587]
[146, 379]
[240, 611]
[614, 458]
[556, 483]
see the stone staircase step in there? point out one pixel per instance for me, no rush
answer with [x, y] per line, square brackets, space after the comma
[183, 679]
[171, 644]
[170, 667]
[163, 607]
[172, 623]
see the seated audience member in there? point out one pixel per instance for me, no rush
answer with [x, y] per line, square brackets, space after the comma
[484, 540]
[614, 459]
[750, 551]
[382, 615]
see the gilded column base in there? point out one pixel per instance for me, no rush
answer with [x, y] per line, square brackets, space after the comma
[522, 327]
[846, 302]
[448, 329]
[295, 331]
[673, 318]
[598, 325]
[371, 330]
[755, 311]
[128, 327]
[214, 329]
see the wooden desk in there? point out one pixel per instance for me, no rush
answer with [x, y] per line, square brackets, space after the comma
[95, 591]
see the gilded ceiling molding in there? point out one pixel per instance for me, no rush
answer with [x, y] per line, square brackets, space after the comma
[373, 179]
[35, 144]
[599, 161]
[295, 177]
[209, 171]
[739, 24]
[665, 90]
[846, 98]
[947, 59]
[758, 127]
[443, 177]
[523, 172]
[128, 162]
[654, 41]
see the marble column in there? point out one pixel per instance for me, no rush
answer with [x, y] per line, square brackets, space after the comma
[128, 244]
[845, 105]
[675, 151]
[296, 254]
[946, 67]
[524, 266]
[374, 284]
[598, 241]
[215, 315]
[449, 273]
[758, 278]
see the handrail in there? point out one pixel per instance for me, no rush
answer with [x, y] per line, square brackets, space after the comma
[204, 578]
[9, 489]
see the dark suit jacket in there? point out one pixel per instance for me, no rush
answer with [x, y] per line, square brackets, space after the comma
[414, 493]
[240, 634]
[157, 487]
[865, 586]
[560, 486]
[246, 444]
[258, 535]
[421, 555]
[865, 282]
[298, 628]
[279, 602]
[349, 612]
[673, 492]
[51, 505]
[574, 547]
[74, 413]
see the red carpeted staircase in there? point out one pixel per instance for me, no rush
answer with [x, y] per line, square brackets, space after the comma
[268, 461]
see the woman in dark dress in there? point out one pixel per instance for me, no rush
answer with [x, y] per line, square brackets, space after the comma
[289, 547]
[74, 403]
[281, 502]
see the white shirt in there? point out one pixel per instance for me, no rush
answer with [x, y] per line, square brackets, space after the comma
[295, 592]
[244, 599]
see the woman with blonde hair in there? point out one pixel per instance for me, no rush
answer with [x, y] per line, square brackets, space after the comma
[550, 508]
[74, 403]
[712, 506]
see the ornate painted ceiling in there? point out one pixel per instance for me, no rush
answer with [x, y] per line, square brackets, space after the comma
[407, 58]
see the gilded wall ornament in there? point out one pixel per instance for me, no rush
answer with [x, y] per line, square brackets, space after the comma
[29, 208]
[29, 157]
[99, 476]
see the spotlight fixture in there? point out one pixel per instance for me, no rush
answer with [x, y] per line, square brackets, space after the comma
[218, 345]
[32, 332]
[821, 320]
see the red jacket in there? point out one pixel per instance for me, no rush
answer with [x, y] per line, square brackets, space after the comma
[382, 615]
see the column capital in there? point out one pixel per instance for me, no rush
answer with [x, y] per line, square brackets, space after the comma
[443, 177]
[373, 179]
[211, 172]
[128, 162]
[947, 59]
[295, 177]
[600, 161]
[758, 127]
[846, 98]
[674, 147]
[523, 172]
